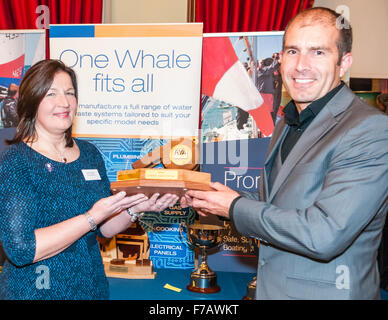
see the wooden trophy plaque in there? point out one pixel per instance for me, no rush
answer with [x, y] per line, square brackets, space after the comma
[162, 181]
[179, 158]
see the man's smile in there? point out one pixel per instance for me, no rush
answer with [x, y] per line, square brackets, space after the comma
[303, 81]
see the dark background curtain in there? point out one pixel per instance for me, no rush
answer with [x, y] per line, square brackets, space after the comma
[247, 15]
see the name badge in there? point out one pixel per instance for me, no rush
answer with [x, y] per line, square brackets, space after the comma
[91, 174]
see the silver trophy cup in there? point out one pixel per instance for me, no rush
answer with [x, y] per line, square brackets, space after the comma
[203, 237]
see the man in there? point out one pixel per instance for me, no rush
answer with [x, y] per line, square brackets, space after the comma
[278, 87]
[324, 186]
[268, 83]
[9, 114]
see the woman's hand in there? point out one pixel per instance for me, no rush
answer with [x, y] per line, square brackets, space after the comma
[137, 203]
[155, 203]
[109, 206]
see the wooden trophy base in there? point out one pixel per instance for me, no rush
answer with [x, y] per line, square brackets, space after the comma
[129, 269]
[203, 290]
[149, 181]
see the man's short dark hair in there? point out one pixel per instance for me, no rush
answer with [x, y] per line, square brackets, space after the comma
[328, 16]
[267, 62]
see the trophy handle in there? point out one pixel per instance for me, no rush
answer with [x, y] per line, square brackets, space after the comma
[186, 242]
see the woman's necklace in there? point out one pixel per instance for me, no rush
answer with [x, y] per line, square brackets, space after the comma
[62, 157]
[51, 151]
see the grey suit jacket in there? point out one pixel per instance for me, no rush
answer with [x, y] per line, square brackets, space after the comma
[320, 225]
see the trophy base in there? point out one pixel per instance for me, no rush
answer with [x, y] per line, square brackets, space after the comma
[147, 189]
[129, 269]
[162, 181]
[203, 290]
[251, 290]
[203, 283]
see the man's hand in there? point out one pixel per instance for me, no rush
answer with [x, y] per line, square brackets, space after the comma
[210, 202]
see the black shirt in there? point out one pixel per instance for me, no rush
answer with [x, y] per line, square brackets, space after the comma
[299, 122]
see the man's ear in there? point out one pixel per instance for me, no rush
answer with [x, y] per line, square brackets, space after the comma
[280, 62]
[280, 57]
[346, 62]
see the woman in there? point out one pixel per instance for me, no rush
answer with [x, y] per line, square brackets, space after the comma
[54, 193]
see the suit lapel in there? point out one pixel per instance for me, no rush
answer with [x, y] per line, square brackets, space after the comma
[322, 124]
[279, 133]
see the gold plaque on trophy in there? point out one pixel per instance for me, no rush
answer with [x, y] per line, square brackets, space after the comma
[177, 154]
[149, 181]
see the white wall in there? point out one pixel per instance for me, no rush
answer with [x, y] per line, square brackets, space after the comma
[145, 11]
[369, 20]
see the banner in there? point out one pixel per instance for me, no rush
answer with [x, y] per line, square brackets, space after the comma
[19, 50]
[134, 80]
[241, 102]
[139, 88]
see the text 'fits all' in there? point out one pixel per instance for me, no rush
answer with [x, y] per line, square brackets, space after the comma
[105, 83]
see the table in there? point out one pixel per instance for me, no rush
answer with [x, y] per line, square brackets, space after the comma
[233, 286]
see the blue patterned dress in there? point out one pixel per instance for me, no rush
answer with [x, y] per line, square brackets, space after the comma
[37, 192]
